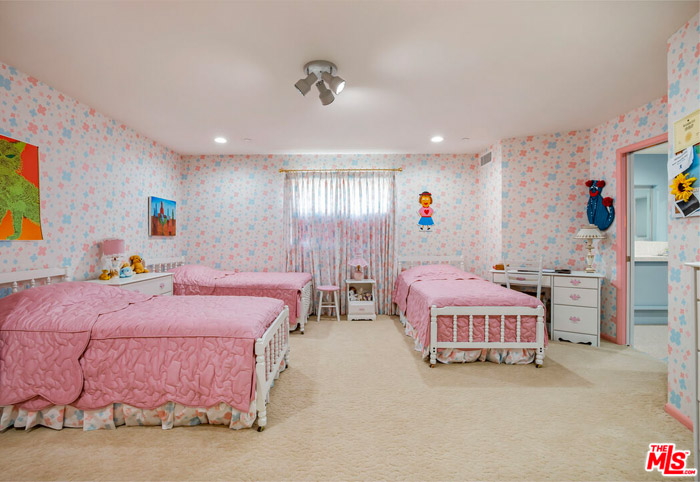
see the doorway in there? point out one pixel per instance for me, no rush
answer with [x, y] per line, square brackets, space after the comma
[647, 214]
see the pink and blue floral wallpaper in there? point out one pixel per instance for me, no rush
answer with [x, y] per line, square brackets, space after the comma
[233, 205]
[683, 234]
[95, 177]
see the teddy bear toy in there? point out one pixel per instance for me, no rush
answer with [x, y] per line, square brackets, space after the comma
[137, 264]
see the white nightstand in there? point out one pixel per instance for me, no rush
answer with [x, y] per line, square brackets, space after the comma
[146, 283]
[361, 309]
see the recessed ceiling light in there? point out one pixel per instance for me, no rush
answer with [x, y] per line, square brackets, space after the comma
[220, 140]
[465, 138]
[437, 139]
[247, 139]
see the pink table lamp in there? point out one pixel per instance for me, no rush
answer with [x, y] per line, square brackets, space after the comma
[359, 263]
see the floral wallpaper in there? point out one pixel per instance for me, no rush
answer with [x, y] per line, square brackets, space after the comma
[641, 123]
[544, 197]
[95, 177]
[233, 205]
[683, 234]
[488, 212]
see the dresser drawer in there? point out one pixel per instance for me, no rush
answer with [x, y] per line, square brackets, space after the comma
[575, 297]
[575, 338]
[574, 282]
[156, 286]
[575, 319]
[361, 308]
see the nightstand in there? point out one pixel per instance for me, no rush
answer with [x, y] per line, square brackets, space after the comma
[146, 283]
[361, 309]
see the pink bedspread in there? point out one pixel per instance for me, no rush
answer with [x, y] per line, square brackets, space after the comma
[419, 288]
[89, 345]
[202, 280]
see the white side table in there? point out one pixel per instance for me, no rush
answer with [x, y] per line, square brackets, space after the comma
[361, 309]
[146, 283]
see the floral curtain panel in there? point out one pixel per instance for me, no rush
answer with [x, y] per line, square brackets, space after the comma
[331, 216]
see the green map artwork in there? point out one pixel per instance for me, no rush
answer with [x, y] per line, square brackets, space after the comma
[20, 217]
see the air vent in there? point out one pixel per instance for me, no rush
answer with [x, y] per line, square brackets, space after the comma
[486, 158]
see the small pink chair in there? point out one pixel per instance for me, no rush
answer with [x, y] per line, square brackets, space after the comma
[321, 305]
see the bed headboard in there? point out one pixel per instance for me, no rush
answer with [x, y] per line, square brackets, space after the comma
[159, 265]
[17, 280]
[406, 262]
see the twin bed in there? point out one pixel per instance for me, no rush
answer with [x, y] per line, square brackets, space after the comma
[77, 354]
[294, 289]
[456, 316]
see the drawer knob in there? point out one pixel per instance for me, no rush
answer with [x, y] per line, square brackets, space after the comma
[575, 282]
[162, 285]
[574, 319]
[520, 278]
[574, 297]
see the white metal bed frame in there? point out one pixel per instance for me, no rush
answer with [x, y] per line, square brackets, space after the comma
[159, 265]
[271, 349]
[488, 312]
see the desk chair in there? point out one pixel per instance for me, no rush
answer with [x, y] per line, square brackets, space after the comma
[524, 272]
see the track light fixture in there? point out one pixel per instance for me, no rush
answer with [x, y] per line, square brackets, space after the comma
[318, 72]
[324, 93]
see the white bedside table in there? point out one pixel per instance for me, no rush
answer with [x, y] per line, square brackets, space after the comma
[361, 310]
[146, 283]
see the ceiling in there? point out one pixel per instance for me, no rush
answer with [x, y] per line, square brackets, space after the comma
[183, 73]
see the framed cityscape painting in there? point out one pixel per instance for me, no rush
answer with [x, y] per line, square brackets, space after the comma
[161, 217]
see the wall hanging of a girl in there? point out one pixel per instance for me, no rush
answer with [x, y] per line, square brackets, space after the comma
[426, 212]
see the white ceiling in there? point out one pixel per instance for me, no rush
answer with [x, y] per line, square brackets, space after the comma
[183, 73]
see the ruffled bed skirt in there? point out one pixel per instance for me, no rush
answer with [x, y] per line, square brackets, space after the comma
[167, 416]
[509, 356]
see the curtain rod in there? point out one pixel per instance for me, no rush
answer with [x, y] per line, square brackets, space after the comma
[338, 170]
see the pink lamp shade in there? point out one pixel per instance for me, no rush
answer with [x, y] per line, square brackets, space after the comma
[111, 247]
[358, 261]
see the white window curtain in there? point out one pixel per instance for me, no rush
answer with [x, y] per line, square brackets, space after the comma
[330, 216]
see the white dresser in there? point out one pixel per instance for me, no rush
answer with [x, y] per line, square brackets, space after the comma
[575, 310]
[695, 311]
[146, 283]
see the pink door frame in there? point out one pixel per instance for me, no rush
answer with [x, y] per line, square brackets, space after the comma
[621, 245]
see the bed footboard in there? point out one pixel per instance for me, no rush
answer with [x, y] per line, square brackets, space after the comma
[491, 314]
[271, 352]
[305, 306]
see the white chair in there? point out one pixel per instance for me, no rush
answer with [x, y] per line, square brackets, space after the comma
[524, 273]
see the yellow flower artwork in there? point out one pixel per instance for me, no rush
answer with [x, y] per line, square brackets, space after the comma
[681, 187]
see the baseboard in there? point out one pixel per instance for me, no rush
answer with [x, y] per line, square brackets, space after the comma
[609, 338]
[678, 415]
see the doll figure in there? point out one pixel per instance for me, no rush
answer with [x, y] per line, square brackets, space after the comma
[426, 212]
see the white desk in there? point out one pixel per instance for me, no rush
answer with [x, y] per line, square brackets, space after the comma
[575, 310]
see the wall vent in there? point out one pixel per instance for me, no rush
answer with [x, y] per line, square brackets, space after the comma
[486, 158]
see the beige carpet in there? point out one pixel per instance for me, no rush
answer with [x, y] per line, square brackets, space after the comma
[652, 340]
[359, 403]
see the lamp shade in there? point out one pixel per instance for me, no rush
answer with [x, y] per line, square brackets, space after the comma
[590, 231]
[358, 261]
[113, 246]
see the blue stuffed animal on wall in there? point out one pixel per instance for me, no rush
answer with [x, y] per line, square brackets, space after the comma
[600, 210]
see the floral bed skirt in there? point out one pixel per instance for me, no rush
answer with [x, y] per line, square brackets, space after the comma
[510, 356]
[167, 416]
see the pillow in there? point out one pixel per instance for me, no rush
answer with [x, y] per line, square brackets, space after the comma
[195, 274]
[432, 269]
